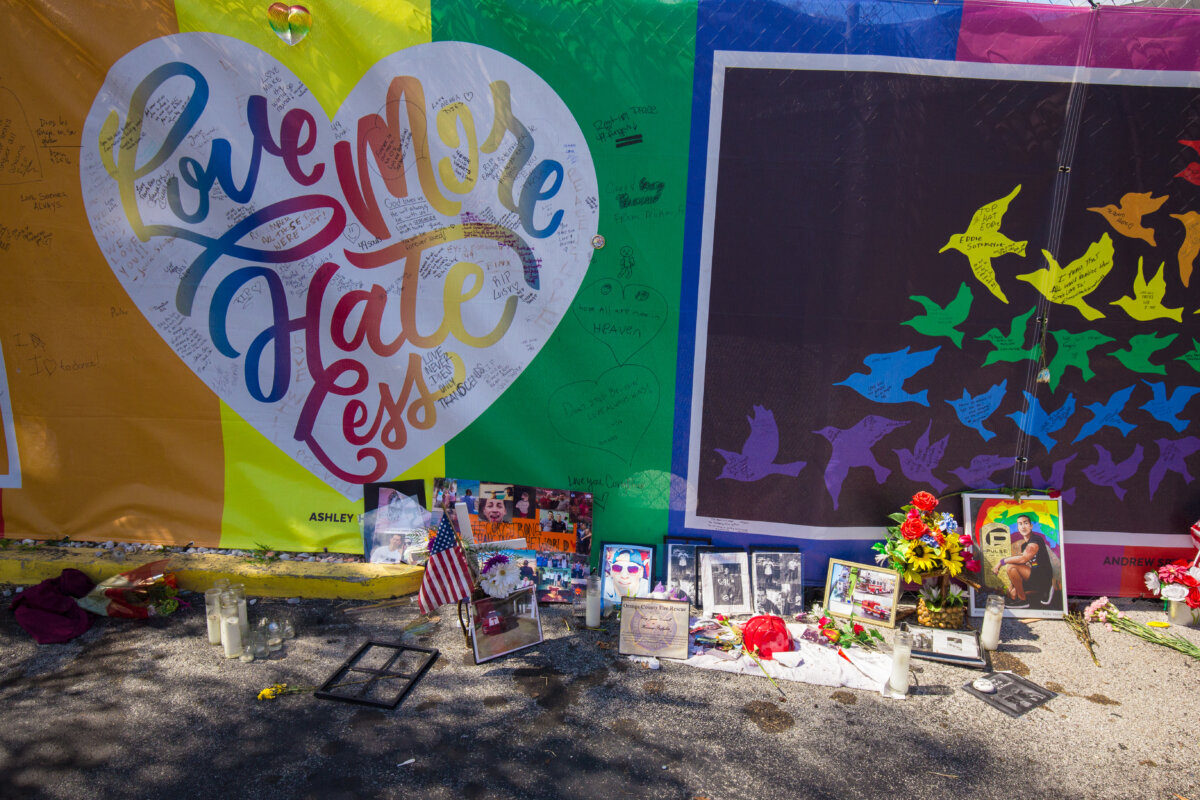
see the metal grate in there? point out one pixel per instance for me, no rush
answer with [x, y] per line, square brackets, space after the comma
[379, 674]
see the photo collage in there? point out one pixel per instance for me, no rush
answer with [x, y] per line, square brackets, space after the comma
[556, 525]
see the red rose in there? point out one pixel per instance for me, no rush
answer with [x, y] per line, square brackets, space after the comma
[1054, 493]
[858, 629]
[913, 529]
[924, 501]
[824, 622]
[766, 635]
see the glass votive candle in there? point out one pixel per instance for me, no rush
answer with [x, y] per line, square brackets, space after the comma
[993, 614]
[287, 629]
[231, 631]
[592, 611]
[274, 635]
[239, 591]
[212, 612]
[901, 653]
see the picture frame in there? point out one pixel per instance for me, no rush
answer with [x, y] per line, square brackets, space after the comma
[1020, 542]
[681, 569]
[501, 627]
[961, 648]
[725, 581]
[657, 628]
[863, 591]
[1012, 694]
[625, 571]
[776, 575]
[395, 521]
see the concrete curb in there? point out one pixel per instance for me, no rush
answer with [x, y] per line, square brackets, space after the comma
[197, 572]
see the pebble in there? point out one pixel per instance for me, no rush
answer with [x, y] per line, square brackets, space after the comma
[285, 557]
[291, 600]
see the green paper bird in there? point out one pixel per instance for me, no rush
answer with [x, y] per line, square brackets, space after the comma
[1073, 349]
[982, 241]
[1147, 301]
[1137, 357]
[1191, 357]
[1069, 285]
[1011, 347]
[938, 321]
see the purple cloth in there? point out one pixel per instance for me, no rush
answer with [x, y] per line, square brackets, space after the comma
[48, 612]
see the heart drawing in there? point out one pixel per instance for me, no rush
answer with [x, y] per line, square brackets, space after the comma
[358, 290]
[290, 23]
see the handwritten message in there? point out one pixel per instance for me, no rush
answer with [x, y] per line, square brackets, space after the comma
[358, 290]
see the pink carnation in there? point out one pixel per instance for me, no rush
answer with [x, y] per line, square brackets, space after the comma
[971, 564]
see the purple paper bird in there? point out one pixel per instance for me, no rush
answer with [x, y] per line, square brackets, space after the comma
[978, 474]
[1106, 473]
[852, 448]
[885, 382]
[1166, 409]
[918, 463]
[757, 459]
[1172, 457]
[1057, 479]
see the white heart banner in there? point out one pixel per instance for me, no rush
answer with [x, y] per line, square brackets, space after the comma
[358, 290]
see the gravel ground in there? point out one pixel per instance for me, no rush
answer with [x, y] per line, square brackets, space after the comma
[150, 709]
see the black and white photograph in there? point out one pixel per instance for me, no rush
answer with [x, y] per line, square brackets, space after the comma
[725, 581]
[775, 576]
[960, 647]
[1010, 693]
[681, 570]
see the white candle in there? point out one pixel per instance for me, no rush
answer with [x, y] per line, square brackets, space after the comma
[239, 591]
[989, 637]
[212, 610]
[214, 628]
[592, 617]
[901, 652]
[231, 635]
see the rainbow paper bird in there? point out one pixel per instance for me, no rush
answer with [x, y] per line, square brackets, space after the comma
[982, 241]
[1069, 285]
[1126, 219]
[1072, 351]
[1146, 303]
[1011, 347]
[1191, 243]
[1137, 357]
[1190, 173]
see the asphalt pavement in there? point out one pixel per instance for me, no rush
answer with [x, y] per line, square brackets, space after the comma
[151, 710]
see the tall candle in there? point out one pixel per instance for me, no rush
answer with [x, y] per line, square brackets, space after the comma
[592, 617]
[901, 652]
[989, 637]
[231, 631]
[239, 591]
[212, 610]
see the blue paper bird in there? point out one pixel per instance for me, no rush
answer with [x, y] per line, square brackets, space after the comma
[885, 382]
[1037, 423]
[918, 463]
[978, 474]
[972, 411]
[1108, 415]
[1172, 457]
[757, 459]
[1057, 479]
[1106, 473]
[1166, 409]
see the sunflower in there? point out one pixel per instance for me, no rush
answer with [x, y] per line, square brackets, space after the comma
[920, 559]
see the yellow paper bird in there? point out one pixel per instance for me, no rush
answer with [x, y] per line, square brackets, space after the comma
[1126, 219]
[982, 241]
[1069, 285]
[1146, 303]
[1191, 244]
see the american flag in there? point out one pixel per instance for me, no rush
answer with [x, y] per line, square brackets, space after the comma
[447, 576]
[1196, 533]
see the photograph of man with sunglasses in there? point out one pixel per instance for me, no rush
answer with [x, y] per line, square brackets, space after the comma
[625, 572]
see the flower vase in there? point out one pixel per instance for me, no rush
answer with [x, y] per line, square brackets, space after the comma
[1178, 613]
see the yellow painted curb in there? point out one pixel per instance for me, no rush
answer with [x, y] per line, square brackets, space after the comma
[197, 572]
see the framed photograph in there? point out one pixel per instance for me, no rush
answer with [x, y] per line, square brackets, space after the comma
[775, 579]
[652, 627]
[500, 627]
[554, 578]
[864, 591]
[681, 572]
[394, 520]
[725, 581]
[625, 571]
[1021, 553]
[961, 648]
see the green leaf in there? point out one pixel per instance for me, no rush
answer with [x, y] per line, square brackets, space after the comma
[898, 517]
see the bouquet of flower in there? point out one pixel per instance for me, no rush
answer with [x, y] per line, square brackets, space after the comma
[147, 591]
[1101, 610]
[499, 577]
[924, 542]
[849, 634]
[1179, 580]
